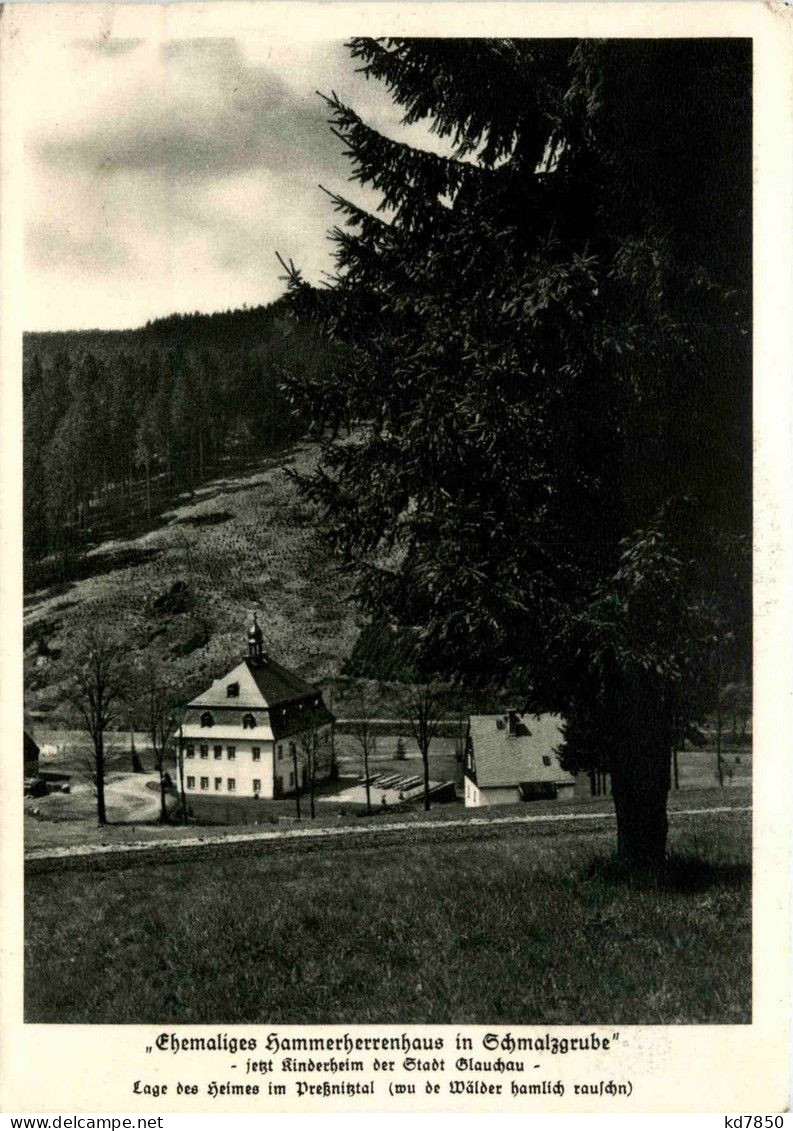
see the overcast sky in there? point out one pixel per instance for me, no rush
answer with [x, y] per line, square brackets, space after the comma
[163, 175]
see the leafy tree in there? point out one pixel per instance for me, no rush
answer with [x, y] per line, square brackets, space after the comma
[548, 376]
[736, 699]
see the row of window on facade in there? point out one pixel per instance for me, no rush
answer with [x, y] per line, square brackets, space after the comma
[231, 751]
[231, 784]
[248, 721]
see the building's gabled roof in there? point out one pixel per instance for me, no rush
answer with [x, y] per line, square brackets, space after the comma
[263, 685]
[504, 759]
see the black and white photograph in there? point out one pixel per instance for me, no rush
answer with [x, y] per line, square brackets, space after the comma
[387, 457]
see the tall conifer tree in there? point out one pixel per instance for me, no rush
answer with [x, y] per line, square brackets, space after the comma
[549, 380]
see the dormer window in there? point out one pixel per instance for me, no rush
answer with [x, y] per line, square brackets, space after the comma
[207, 719]
[248, 721]
[232, 691]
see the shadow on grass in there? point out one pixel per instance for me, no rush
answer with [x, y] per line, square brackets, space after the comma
[681, 874]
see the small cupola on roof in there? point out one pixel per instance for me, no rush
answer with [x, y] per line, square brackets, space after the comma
[256, 643]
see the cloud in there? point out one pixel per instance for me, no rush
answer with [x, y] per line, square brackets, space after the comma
[109, 47]
[206, 113]
[163, 176]
[47, 243]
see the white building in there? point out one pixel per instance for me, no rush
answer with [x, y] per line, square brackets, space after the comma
[512, 757]
[254, 731]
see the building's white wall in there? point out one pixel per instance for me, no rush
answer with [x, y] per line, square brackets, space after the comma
[275, 761]
[477, 798]
[285, 763]
[242, 768]
[508, 795]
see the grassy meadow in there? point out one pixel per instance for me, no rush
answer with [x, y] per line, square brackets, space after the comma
[514, 930]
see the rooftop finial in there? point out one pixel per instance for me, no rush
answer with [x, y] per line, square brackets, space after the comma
[255, 641]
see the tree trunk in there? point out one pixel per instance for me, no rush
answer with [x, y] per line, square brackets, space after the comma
[182, 794]
[297, 783]
[101, 812]
[366, 773]
[640, 788]
[425, 757]
[163, 804]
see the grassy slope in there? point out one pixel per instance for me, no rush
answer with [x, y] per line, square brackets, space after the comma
[265, 555]
[511, 931]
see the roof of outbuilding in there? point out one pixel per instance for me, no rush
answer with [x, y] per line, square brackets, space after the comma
[503, 759]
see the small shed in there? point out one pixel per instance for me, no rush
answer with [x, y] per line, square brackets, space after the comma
[30, 756]
[512, 757]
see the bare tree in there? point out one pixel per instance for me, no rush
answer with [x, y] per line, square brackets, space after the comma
[180, 764]
[95, 692]
[307, 740]
[362, 733]
[161, 711]
[421, 704]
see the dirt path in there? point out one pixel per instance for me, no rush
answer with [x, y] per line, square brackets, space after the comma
[130, 799]
[303, 836]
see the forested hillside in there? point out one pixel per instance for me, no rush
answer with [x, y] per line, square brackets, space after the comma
[118, 423]
[182, 592]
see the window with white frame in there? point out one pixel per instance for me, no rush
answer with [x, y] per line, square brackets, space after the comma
[218, 783]
[190, 782]
[232, 752]
[205, 783]
[190, 752]
[257, 753]
[231, 784]
[204, 750]
[257, 785]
